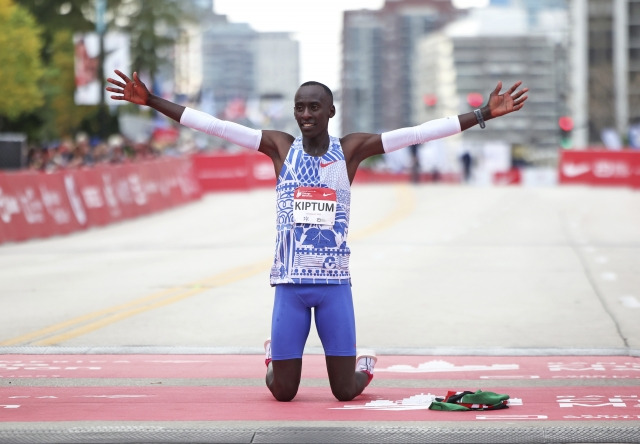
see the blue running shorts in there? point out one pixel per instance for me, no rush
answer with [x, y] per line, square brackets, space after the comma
[291, 320]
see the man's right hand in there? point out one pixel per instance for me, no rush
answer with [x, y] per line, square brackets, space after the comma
[132, 91]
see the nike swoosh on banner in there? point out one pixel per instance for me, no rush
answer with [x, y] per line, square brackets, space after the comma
[573, 169]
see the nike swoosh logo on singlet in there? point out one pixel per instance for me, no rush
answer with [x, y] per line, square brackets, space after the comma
[323, 165]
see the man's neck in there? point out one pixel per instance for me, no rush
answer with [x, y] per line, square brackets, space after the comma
[316, 146]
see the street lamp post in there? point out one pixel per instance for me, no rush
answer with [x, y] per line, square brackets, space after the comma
[101, 7]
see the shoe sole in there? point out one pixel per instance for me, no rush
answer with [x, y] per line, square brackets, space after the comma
[367, 354]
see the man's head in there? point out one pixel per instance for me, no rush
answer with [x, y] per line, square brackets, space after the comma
[313, 107]
[321, 85]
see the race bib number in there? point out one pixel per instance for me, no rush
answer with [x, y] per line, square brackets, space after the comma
[313, 205]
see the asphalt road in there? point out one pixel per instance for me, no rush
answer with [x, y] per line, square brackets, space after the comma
[151, 330]
[450, 269]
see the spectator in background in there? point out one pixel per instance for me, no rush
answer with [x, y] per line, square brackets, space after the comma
[101, 153]
[62, 154]
[415, 163]
[81, 155]
[47, 164]
[143, 151]
[34, 158]
[467, 161]
[69, 154]
[78, 152]
[117, 154]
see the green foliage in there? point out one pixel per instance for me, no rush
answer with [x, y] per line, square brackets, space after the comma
[55, 15]
[61, 14]
[37, 59]
[66, 116]
[153, 29]
[58, 116]
[22, 69]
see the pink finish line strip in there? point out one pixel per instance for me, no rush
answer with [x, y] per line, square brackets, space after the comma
[252, 366]
[38, 404]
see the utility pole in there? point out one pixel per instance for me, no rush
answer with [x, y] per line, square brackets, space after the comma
[101, 7]
[621, 65]
[580, 73]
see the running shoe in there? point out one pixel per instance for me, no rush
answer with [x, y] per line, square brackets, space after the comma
[267, 352]
[365, 362]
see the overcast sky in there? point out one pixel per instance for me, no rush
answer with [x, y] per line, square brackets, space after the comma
[317, 25]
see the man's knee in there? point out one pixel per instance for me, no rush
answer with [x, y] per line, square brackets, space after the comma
[343, 393]
[284, 392]
[283, 378]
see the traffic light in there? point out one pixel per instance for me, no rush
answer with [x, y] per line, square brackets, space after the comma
[475, 100]
[566, 126]
[430, 100]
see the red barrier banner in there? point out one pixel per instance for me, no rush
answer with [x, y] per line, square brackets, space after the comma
[262, 172]
[232, 172]
[597, 167]
[61, 200]
[23, 213]
[34, 204]
[221, 171]
[509, 177]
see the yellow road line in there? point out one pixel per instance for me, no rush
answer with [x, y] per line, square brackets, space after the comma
[216, 281]
[96, 314]
[118, 312]
[63, 331]
[405, 204]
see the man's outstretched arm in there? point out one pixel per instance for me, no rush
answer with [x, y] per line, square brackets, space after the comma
[359, 146]
[135, 91]
[498, 105]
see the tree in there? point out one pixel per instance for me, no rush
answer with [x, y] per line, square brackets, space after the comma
[60, 116]
[152, 27]
[54, 16]
[55, 114]
[66, 117]
[22, 69]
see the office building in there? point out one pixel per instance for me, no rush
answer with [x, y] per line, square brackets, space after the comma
[605, 71]
[457, 67]
[378, 48]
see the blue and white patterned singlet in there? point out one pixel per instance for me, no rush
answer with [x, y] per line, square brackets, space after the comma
[311, 253]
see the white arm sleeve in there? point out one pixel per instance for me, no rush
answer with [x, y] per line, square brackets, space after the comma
[233, 132]
[431, 130]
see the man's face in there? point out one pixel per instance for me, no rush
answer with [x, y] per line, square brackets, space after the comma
[312, 110]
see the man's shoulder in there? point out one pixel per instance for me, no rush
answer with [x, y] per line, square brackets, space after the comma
[355, 140]
[278, 136]
[359, 146]
[277, 141]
